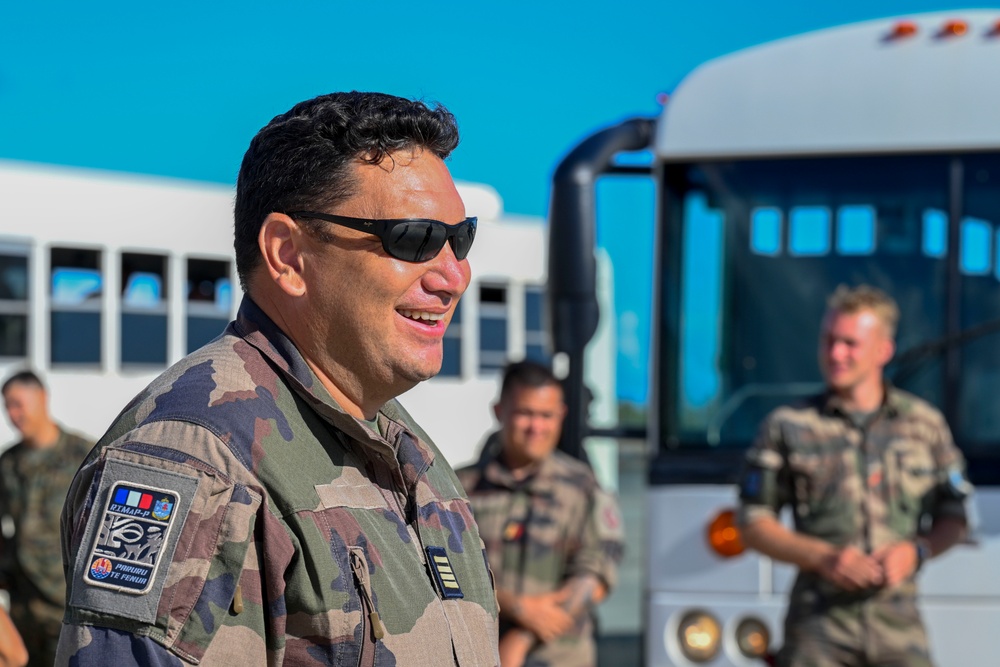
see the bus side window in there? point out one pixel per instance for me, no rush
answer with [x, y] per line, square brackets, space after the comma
[765, 231]
[935, 241]
[209, 300]
[13, 300]
[492, 327]
[975, 258]
[856, 230]
[143, 309]
[534, 325]
[451, 362]
[75, 324]
[809, 231]
[701, 315]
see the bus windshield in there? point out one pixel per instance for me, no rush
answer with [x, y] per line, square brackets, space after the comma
[752, 248]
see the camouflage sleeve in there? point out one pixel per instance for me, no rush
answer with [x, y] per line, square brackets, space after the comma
[603, 540]
[953, 488]
[6, 556]
[156, 544]
[760, 489]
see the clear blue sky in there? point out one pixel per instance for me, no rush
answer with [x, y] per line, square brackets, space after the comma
[178, 89]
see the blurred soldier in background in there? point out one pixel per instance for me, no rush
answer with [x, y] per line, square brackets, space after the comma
[553, 537]
[35, 474]
[862, 465]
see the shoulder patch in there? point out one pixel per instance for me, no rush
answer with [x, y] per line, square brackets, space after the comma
[130, 539]
[134, 531]
[444, 575]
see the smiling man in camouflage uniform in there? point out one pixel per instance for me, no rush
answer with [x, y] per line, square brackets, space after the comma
[553, 536]
[266, 501]
[860, 466]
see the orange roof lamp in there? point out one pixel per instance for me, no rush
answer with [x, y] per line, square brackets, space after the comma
[903, 29]
[724, 536]
[953, 28]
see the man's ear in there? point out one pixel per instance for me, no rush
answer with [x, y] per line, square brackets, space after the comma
[497, 411]
[280, 241]
[888, 350]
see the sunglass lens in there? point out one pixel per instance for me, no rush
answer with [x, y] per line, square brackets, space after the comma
[416, 241]
[461, 242]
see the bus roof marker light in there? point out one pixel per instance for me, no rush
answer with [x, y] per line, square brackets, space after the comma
[662, 99]
[724, 536]
[953, 28]
[902, 29]
[994, 30]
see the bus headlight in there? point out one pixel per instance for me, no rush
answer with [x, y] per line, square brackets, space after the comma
[699, 635]
[753, 638]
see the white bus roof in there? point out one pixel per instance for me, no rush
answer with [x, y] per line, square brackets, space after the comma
[846, 90]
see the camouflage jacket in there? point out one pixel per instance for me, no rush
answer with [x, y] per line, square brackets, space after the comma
[539, 532]
[33, 485]
[864, 485]
[235, 515]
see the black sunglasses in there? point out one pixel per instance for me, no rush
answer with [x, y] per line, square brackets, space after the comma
[409, 239]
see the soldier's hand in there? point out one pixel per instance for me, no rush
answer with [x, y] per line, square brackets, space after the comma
[851, 569]
[515, 644]
[898, 561]
[544, 615]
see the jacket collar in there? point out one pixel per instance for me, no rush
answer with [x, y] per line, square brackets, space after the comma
[254, 326]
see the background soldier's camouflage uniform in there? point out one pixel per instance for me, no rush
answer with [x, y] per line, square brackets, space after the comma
[33, 485]
[302, 520]
[543, 530]
[866, 486]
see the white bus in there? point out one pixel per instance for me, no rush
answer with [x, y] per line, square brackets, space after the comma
[107, 278]
[865, 153]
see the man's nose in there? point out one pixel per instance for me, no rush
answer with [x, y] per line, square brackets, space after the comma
[446, 273]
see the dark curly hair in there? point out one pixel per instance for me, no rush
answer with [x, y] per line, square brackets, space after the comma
[302, 159]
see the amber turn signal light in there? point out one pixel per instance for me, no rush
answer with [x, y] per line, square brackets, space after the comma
[724, 536]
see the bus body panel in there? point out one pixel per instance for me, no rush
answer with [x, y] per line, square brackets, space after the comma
[960, 599]
[868, 91]
[51, 213]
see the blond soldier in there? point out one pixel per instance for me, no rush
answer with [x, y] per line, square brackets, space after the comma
[861, 466]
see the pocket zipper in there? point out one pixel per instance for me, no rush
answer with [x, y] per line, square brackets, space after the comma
[361, 574]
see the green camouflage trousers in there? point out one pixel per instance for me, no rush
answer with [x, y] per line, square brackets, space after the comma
[871, 629]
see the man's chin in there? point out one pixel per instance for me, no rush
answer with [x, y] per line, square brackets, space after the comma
[417, 373]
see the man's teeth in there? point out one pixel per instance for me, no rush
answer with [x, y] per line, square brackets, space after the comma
[422, 315]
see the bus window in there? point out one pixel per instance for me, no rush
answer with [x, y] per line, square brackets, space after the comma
[143, 309]
[978, 427]
[935, 242]
[701, 304]
[13, 300]
[856, 230]
[534, 327]
[209, 300]
[747, 322]
[492, 327]
[75, 326]
[975, 249]
[765, 231]
[810, 230]
[451, 362]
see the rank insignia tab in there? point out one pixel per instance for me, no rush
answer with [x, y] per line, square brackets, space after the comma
[132, 536]
[444, 575]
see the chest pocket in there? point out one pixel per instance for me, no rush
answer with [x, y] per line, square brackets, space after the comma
[913, 477]
[818, 476]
